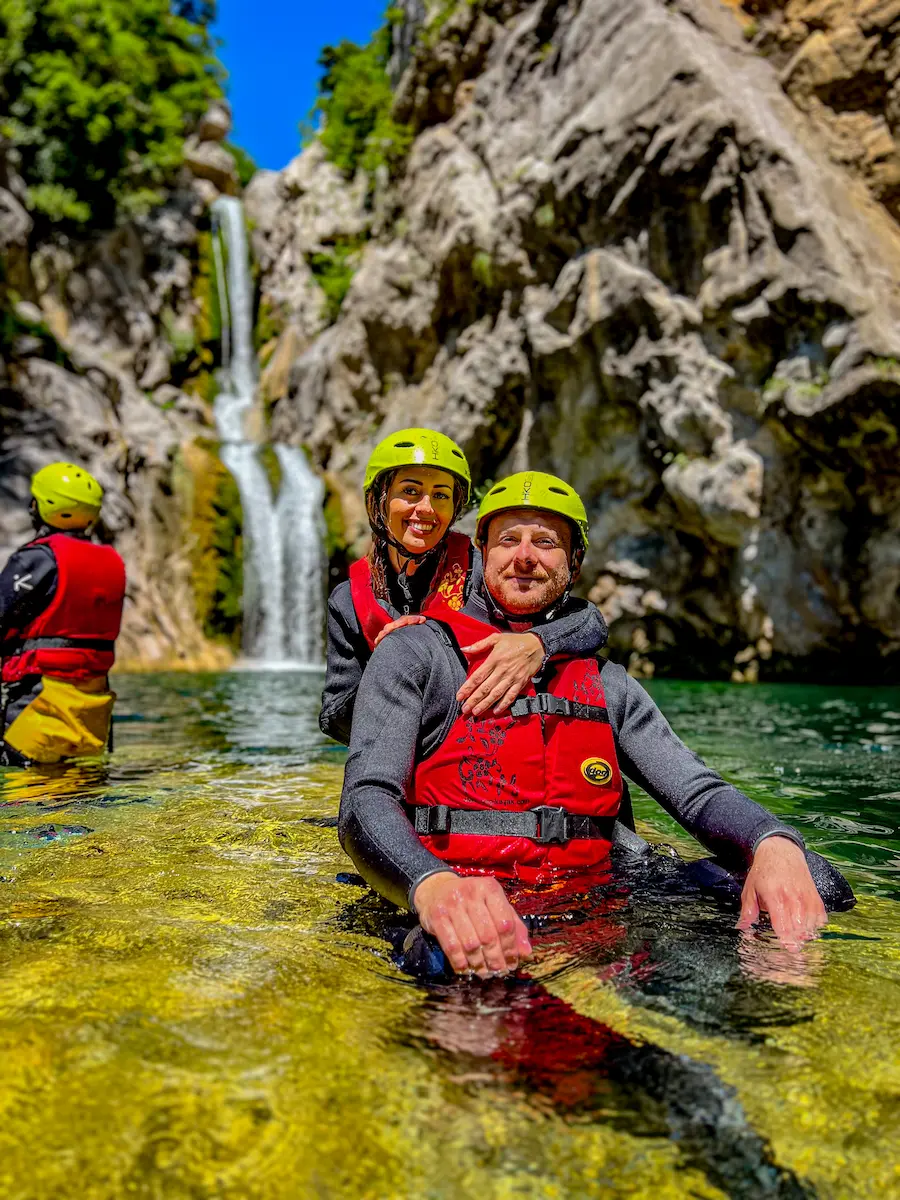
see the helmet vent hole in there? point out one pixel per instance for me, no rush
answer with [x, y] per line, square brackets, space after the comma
[558, 491]
[403, 445]
[458, 453]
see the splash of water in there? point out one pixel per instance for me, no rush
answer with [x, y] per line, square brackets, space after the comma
[284, 560]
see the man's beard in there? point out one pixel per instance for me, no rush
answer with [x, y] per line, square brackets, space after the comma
[550, 587]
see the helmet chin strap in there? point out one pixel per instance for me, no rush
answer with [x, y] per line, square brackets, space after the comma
[416, 556]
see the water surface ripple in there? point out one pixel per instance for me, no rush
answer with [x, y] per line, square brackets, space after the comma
[192, 1005]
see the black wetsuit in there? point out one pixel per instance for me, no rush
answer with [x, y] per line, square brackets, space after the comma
[577, 628]
[406, 706]
[27, 586]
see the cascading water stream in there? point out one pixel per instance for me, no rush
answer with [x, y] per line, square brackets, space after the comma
[284, 560]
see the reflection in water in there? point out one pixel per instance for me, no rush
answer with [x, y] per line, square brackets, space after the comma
[193, 1006]
[518, 1035]
[826, 763]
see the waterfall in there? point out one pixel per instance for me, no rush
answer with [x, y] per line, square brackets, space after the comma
[284, 558]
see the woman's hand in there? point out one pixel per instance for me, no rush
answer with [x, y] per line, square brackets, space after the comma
[477, 927]
[411, 619]
[514, 658]
[780, 884]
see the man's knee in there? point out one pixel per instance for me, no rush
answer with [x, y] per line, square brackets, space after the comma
[836, 893]
[711, 876]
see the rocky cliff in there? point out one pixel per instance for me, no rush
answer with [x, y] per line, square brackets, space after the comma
[106, 345]
[649, 245]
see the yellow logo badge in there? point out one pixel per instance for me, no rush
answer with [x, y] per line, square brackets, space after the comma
[597, 771]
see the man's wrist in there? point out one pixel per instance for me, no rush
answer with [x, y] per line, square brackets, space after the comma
[788, 834]
[546, 654]
[411, 894]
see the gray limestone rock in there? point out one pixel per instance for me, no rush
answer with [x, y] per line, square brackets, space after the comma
[619, 251]
[210, 161]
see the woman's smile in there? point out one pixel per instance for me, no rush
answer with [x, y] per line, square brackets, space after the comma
[420, 507]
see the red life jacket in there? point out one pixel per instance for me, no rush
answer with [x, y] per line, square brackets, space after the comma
[536, 763]
[447, 590]
[73, 638]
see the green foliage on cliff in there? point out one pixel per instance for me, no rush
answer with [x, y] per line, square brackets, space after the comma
[334, 271]
[355, 100]
[216, 525]
[246, 167]
[337, 543]
[97, 98]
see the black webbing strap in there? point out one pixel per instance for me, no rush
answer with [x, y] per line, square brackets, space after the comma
[543, 824]
[558, 706]
[57, 643]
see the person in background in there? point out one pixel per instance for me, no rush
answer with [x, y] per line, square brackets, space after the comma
[417, 483]
[61, 597]
[439, 806]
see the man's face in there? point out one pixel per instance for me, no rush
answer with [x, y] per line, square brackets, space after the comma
[526, 559]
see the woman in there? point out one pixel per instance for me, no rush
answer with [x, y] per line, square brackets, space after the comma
[416, 485]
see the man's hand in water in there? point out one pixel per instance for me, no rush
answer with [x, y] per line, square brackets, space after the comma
[477, 927]
[514, 658]
[410, 619]
[780, 884]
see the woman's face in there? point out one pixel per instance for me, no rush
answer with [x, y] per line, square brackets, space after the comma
[420, 506]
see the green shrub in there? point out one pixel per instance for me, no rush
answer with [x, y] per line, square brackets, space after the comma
[271, 466]
[355, 101]
[182, 341]
[269, 324]
[246, 167]
[334, 271]
[483, 269]
[544, 216]
[97, 97]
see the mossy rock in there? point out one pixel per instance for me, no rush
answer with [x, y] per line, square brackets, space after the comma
[215, 523]
[337, 542]
[271, 466]
[270, 323]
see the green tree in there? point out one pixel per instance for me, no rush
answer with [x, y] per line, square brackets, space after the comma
[355, 99]
[201, 12]
[97, 97]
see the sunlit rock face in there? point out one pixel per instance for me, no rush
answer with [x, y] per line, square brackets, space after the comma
[625, 248]
[96, 337]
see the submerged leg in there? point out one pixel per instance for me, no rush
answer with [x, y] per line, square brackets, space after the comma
[12, 758]
[710, 876]
[632, 853]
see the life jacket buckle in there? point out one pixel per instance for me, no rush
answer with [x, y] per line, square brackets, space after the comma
[551, 825]
[543, 704]
[437, 819]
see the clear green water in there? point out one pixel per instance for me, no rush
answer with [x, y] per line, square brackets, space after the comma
[191, 1005]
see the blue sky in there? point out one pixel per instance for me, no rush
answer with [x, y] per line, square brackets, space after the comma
[270, 49]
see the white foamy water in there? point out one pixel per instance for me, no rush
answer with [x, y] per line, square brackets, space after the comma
[284, 557]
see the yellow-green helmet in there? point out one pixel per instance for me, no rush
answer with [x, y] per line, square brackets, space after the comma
[533, 489]
[418, 448]
[68, 497]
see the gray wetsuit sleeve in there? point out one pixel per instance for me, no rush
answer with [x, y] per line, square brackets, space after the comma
[347, 654]
[581, 630]
[716, 813]
[402, 701]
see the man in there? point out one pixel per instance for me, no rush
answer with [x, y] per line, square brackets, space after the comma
[61, 599]
[438, 805]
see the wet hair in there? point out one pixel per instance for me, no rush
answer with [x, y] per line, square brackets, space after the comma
[382, 539]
